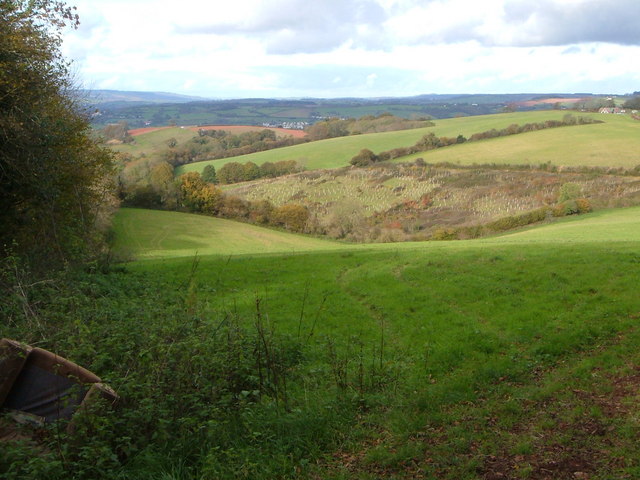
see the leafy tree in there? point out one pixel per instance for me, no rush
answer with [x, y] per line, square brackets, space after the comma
[363, 158]
[209, 174]
[231, 172]
[117, 131]
[251, 171]
[198, 195]
[53, 176]
[633, 103]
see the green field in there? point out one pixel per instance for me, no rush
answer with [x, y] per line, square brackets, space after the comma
[615, 142]
[153, 233]
[241, 352]
[337, 152]
[612, 143]
[468, 357]
[154, 142]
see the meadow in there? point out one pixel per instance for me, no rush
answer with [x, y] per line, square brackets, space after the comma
[241, 352]
[337, 152]
[513, 355]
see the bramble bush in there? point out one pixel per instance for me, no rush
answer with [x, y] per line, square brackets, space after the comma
[203, 394]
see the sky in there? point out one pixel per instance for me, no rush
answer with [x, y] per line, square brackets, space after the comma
[356, 48]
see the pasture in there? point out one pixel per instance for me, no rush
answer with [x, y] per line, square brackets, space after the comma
[463, 359]
[337, 152]
[154, 233]
[613, 143]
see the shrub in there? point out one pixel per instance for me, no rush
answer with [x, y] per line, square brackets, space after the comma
[291, 216]
[445, 234]
[569, 191]
[584, 205]
[364, 158]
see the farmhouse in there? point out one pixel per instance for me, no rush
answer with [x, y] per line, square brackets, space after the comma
[615, 110]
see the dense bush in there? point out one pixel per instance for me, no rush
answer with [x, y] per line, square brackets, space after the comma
[203, 395]
[55, 180]
[235, 172]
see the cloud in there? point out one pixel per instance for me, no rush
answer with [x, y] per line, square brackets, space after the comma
[296, 26]
[519, 23]
[549, 22]
[287, 48]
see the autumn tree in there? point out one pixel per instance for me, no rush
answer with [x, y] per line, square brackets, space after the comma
[196, 195]
[291, 216]
[53, 176]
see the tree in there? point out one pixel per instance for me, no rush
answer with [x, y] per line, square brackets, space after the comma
[53, 176]
[633, 103]
[291, 216]
[363, 158]
[209, 174]
[198, 195]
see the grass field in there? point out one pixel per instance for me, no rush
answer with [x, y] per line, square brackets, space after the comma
[470, 359]
[153, 233]
[337, 152]
[612, 143]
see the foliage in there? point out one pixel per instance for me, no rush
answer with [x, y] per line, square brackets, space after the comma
[209, 174]
[216, 144]
[364, 158]
[633, 103]
[385, 122]
[291, 216]
[569, 191]
[196, 195]
[235, 172]
[54, 179]
[118, 132]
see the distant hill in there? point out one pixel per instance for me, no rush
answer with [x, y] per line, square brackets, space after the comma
[140, 109]
[117, 98]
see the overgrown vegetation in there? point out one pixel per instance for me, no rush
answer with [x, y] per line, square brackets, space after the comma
[421, 201]
[214, 144]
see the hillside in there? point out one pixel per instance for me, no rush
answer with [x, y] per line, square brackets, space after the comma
[157, 234]
[611, 143]
[256, 111]
[152, 233]
[447, 360]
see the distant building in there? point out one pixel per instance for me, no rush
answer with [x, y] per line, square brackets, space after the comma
[614, 110]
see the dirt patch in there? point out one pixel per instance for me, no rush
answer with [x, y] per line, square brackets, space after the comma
[587, 453]
[140, 131]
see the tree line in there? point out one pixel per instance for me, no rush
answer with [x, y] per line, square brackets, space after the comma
[341, 127]
[216, 144]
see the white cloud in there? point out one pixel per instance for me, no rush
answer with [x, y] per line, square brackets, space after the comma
[352, 47]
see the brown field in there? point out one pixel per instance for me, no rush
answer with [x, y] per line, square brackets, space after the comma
[531, 103]
[249, 128]
[282, 132]
[140, 131]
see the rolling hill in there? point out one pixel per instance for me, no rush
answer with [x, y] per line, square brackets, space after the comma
[611, 143]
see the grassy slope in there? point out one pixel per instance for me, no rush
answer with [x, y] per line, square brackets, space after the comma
[612, 143]
[498, 349]
[337, 152]
[152, 233]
